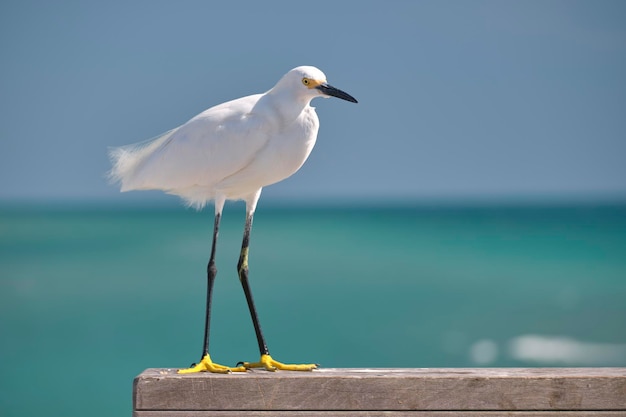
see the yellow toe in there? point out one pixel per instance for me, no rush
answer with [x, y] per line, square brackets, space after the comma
[270, 364]
[207, 365]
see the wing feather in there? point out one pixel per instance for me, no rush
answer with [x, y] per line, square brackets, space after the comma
[199, 154]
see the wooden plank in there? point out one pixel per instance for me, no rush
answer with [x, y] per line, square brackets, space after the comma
[376, 390]
[380, 413]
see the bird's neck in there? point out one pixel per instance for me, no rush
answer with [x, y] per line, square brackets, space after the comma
[286, 106]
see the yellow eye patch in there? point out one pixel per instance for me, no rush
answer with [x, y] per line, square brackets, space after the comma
[311, 83]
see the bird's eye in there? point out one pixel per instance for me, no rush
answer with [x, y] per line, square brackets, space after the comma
[305, 81]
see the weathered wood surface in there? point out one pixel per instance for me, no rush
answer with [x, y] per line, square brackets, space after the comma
[516, 392]
[380, 413]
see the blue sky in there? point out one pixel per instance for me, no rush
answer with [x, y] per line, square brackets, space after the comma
[458, 100]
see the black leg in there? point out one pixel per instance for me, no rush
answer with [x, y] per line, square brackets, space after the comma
[206, 364]
[242, 269]
[211, 274]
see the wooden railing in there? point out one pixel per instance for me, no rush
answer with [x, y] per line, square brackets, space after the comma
[518, 392]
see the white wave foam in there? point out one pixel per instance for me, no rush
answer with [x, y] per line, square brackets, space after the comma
[566, 351]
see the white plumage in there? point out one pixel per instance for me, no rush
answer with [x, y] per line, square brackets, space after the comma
[232, 150]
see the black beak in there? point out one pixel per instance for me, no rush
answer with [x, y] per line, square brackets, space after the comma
[329, 90]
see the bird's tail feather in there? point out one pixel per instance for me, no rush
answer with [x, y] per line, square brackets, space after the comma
[127, 161]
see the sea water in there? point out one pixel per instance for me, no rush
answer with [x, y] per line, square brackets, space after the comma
[91, 297]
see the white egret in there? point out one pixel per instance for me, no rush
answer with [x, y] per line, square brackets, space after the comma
[230, 152]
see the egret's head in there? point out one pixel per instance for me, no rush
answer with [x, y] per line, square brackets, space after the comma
[310, 82]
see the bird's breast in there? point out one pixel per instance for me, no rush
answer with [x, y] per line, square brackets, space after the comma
[285, 152]
[291, 146]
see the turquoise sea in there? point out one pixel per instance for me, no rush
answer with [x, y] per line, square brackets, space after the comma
[90, 297]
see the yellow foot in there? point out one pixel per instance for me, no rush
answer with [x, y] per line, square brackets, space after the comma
[207, 365]
[271, 365]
